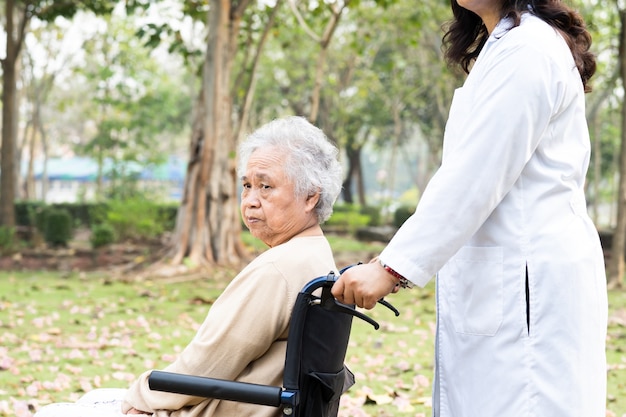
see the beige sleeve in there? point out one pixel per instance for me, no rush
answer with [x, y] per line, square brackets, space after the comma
[251, 314]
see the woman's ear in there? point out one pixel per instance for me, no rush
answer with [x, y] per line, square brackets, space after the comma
[312, 200]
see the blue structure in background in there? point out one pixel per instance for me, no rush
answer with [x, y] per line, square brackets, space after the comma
[70, 179]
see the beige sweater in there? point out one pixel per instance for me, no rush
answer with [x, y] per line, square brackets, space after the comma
[243, 337]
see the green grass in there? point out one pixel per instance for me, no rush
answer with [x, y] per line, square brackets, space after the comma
[616, 354]
[61, 335]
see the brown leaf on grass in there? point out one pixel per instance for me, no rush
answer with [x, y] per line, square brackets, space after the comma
[378, 399]
[197, 300]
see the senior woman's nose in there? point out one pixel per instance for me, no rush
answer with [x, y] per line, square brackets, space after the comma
[250, 199]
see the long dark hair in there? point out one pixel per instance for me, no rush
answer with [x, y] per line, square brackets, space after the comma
[466, 34]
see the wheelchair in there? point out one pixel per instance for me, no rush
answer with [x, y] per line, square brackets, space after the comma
[314, 377]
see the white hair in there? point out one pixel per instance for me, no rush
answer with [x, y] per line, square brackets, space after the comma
[311, 162]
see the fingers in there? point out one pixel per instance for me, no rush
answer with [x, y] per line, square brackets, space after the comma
[363, 285]
[135, 411]
[337, 290]
[367, 303]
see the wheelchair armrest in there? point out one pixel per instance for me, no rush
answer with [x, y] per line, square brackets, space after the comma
[219, 389]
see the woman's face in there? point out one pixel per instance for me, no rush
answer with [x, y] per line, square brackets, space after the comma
[269, 207]
[487, 10]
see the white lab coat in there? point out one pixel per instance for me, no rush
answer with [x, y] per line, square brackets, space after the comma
[508, 198]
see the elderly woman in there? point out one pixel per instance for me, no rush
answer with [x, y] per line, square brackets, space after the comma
[290, 177]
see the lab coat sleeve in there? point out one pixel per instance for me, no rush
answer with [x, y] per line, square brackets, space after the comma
[496, 121]
[251, 313]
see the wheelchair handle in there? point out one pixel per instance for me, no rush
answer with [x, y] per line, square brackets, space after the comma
[329, 302]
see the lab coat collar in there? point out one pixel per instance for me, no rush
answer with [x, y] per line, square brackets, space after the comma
[501, 29]
[504, 25]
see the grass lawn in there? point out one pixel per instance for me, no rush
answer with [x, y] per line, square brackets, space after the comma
[63, 335]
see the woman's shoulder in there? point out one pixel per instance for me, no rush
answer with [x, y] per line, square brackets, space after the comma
[299, 247]
[309, 256]
[533, 42]
[533, 31]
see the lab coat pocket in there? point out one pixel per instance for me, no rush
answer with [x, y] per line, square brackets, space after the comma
[475, 277]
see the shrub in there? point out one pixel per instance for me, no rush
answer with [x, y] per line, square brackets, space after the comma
[167, 215]
[348, 217]
[39, 217]
[25, 210]
[58, 227]
[102, 235]
[135, 218]
[7, 238]
[373, 213]
[401, 214]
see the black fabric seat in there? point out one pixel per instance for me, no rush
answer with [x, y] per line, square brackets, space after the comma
[315, 376]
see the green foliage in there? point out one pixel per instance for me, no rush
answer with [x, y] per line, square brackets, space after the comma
[135, 218]
[39, 218]
[102, 235]
[7, 238]
[168, 212]
[54, 223]
[58, 227]
[342, 244]
[348, 217]
[79, 212]
[28, 213]
[25, 212]
[375, 217]
[34, 215]
[401, 214]
[139, 105]
[50, 10]
[352, 216]
[410, 197]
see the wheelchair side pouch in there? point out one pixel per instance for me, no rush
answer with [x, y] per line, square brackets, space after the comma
[325, 390]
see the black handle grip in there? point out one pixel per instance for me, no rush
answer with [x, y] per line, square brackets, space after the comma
[215, 388]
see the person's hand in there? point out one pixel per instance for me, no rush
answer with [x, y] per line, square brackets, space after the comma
[364, 285]
[135, 411]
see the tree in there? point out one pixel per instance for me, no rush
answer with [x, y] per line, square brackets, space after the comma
[18, 14]
[387, 88]
[616, 267]
[208, 225]
[137, 105]
[37, 91]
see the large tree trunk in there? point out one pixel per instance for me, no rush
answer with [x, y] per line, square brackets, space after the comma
[9, 120]
[616, 266]
[208, 227]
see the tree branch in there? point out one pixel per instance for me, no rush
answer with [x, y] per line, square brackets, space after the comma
[307, 29]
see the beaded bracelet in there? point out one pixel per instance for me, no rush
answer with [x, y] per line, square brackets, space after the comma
[403, 283]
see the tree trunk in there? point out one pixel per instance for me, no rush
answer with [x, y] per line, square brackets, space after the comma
[208, 226]
[29, 181]
[616, 267]
[9, 122]
[360, 180]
